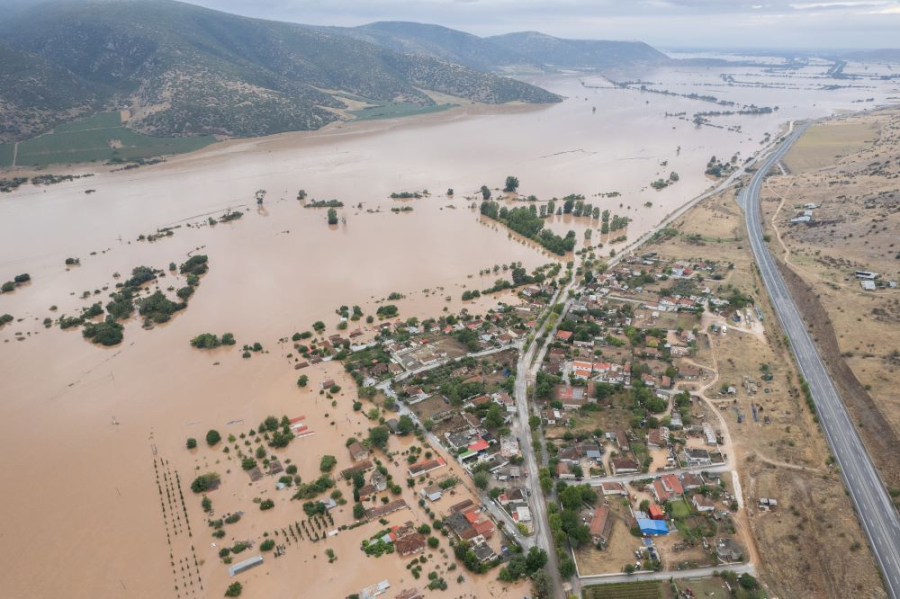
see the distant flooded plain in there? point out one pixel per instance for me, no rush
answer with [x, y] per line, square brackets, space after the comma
[79, 424]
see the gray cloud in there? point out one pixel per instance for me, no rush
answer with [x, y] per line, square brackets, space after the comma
[770, 24]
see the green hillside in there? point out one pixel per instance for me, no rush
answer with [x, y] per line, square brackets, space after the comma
[193, 71]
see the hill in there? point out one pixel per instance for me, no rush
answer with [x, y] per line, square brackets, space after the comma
[186, 70]
[590, 54]
[32, 90]
[437, 42]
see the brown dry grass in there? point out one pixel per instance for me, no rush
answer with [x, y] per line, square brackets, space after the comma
[784, 459]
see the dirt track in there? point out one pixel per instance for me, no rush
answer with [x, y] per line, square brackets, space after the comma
[878, 436]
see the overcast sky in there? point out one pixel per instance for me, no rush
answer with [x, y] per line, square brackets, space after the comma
[672, 24]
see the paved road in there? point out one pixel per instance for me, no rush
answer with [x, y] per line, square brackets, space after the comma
[873, 506]
[540, 522]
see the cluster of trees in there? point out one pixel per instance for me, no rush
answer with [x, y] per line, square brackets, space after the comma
[211, 341]
[204, 482]
[523, 565]
[387, 311]
[565, 524]
[407, 195]
[512, 184]
[661, 184]
[525, 221]
[17, 280]
[332, 216]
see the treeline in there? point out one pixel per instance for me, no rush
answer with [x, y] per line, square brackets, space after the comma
[324, 204]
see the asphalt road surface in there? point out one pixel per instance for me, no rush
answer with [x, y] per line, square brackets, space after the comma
[873, 506]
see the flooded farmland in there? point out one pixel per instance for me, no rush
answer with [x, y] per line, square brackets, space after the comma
[84, 428]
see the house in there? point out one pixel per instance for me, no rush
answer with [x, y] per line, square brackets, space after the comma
[410, 544]
[358, 451]
[513, 496]
[622, 441]
[563, 335]
[394, 425]
[573, 398]
[481, 525]
[522, 514]
[410, 594]
[696, 457]
[656, 512]
[479, 446]
[667, 487]
[426, 466]
[460, 526]
[483, 552]
[689, 372]
[657, 438]
[675, 421]
[432, 492]
[366, 491]
[563, 471]
[462, 506]
[327, 383]
[388, 508]
[370, 592]
[379, 481]
[601, 525]
[702, 503]
[622, 465]
[691, 481]
[363, 466]
[729, 551]
[613, 489]
[710, 434]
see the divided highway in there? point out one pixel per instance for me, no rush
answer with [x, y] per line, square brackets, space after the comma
[873, 506]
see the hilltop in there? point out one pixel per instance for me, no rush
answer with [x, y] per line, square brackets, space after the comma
[591, 54]
[186, 70]
[522, 50]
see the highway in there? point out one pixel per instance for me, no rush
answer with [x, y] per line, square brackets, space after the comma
[870, 498]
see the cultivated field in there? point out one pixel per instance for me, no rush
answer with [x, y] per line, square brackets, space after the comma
[100, 137]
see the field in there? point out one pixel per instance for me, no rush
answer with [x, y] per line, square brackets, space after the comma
[650, 589]
[854, 228]
[396, 109]
[6, 154]
[821, 145]
[99, 138]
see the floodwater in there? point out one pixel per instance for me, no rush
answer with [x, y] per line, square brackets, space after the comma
[79, 424]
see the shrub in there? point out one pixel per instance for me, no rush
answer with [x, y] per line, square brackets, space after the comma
[327, 464]
[303, 380]
[267, 545]
[213, 437]
[191, 443]
[205, 341]
[266, 504]
[234, 590]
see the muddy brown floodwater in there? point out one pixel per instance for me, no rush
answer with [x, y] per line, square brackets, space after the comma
[79, 424]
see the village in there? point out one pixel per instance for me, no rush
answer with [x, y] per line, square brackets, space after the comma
[627, 397]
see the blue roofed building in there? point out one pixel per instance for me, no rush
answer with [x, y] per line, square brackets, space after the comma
[652, 527]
